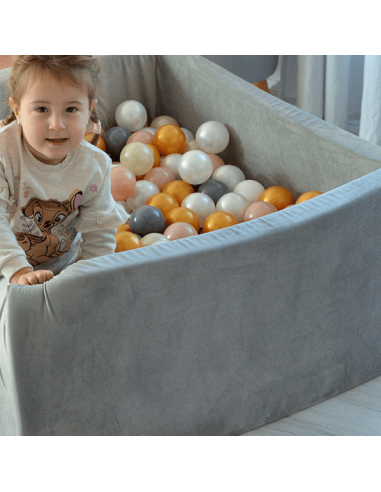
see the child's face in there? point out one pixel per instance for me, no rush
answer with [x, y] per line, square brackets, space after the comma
[53, 116]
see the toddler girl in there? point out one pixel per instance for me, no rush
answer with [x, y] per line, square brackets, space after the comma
[55, 192]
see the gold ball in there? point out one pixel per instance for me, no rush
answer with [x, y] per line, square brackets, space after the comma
[278, 196]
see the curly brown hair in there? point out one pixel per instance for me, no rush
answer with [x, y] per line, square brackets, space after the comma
[80, 70]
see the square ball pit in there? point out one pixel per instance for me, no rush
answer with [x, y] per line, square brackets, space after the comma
[220, 333]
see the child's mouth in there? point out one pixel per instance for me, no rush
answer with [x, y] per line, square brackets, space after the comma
[57, 141]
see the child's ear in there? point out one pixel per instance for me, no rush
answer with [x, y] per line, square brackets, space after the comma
[14, 105]
[94, 102]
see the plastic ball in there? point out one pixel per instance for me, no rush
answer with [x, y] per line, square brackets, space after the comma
[125, 241]
[307, 196]
[163, 202]
[148, 129]
[163, 120]
[138, 158]
[101, 143]
[258, 209]
[143, 192]
[188, 134]
[169, 139]
[179, 230]
[156, 155]
[278, 196]
[212, 137]
[195, 167]
[216, 161]
[172, 162]
[229, 175]
[213, 188]
[202, 205]
[140, 136]
[146, 220]
[123, 183]
[160, 176]
[218, 220]
[182, 214]
[191, 145]
[178, 189]
[154, 238]
[234, 204]
[123, 228]
[250, 189]
[115, 140]
[131, 115]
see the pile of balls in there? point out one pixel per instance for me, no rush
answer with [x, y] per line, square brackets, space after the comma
[174, 184]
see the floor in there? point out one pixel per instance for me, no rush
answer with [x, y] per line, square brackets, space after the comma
[354, 413]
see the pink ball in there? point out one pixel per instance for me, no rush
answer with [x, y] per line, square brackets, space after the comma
[258, 209]
[216, 161]
[160, 176]
[141, 136]
[179, 230]
[123, 183]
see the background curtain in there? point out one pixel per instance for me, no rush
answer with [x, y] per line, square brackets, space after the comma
[344, 90]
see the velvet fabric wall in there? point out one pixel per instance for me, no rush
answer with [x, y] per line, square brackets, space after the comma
[219, 333]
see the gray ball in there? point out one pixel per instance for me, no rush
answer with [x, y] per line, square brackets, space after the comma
[214, 188]
[147, 219]
[115, 140]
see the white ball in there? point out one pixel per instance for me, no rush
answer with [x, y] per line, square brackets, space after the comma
[150, 130]
[171, 162]
[163, 120]
[250, 189]
[195, 167]
[189, 135]
[131, 115]
[212, 137]
[191, 145]
[137, 157]
[143, 192]
[229, 175]
[202, 205]
[234, 204]
[154, 238]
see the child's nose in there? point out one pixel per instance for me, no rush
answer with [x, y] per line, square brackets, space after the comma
[56, 122]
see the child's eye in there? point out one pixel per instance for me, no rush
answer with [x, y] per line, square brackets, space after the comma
[41, 109]
[72, 109]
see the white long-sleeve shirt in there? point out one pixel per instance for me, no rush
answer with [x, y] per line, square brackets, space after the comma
[44, 207]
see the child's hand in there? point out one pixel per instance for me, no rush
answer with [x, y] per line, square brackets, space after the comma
[27, 276]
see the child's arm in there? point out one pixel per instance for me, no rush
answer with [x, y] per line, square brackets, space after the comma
[14, 265]
[97, 243]
[27, 276]
[98, 220]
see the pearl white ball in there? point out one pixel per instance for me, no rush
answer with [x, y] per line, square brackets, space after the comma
[191, 145]
[229, 175]
[234, 204]
[163, 120]
[188, 135]
[250, 189]
[171, 162]
[154, 238]
[131, 115]
[202, 205]
[138, 158]
[150, 130]
[212, 137]
[143, 192]
[195, 167]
